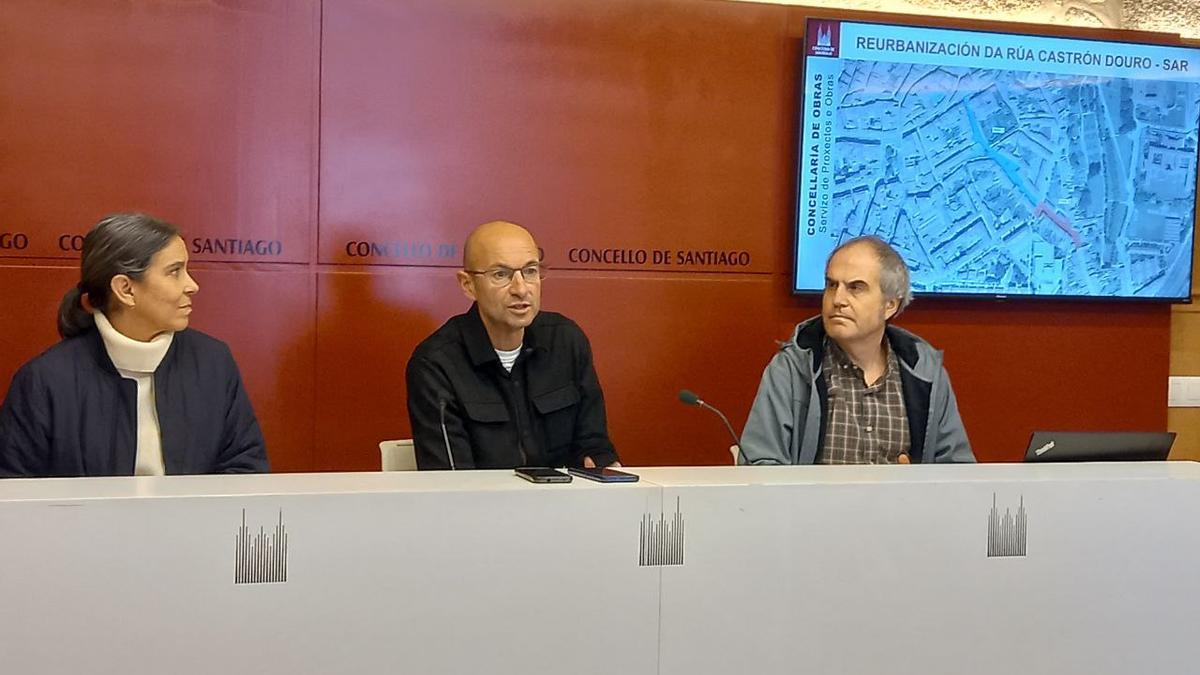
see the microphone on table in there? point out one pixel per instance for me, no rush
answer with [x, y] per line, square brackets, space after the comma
[690, 398]
[445, 436]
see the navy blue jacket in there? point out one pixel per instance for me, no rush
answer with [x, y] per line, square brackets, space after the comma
[69, 412]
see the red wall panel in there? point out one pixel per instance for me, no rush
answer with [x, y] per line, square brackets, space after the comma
[619, 126]
[202, 113]
[653, 336]
[266, 315]
[625, 126]
[29, 298]
[368, 322]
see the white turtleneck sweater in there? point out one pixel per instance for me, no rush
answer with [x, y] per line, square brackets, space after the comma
[137, 361]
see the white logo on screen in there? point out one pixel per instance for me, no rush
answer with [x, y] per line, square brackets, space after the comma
[1044, 449]
[825, 36]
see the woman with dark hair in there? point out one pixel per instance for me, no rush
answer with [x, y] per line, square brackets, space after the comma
[130, 390]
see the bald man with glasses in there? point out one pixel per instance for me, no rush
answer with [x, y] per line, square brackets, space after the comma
[505, 384]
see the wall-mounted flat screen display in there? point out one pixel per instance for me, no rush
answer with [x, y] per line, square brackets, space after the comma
[1000, 164]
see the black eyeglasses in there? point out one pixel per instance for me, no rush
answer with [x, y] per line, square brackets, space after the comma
[501, 276]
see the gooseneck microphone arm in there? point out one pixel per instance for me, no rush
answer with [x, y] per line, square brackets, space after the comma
[690, 398]
[445, 435]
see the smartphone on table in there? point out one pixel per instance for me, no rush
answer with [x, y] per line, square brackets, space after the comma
[604, 475]
[542, 474]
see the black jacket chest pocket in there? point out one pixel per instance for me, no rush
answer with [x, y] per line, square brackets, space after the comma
[557, 409]
[485, 412]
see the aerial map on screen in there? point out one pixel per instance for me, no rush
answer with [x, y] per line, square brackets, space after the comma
[1001, 164]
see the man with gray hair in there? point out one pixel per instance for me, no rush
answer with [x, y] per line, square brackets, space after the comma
[849, 388]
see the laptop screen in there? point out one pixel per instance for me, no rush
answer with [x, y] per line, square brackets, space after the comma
[1099, 446]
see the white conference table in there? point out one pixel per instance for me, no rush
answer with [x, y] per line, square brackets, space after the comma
[874, 569]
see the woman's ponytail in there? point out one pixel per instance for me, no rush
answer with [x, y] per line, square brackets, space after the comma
[73, 319]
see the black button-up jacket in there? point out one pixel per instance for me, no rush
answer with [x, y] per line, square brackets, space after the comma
[549, 411]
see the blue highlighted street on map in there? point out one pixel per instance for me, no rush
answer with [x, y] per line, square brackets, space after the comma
[1039, 171]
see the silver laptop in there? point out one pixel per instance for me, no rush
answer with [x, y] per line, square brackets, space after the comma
[1099, 446]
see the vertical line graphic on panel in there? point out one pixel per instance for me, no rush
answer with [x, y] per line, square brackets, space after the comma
[1007, 534]
[262, 557]
[661, 541]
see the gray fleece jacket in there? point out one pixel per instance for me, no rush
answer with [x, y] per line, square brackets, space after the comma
[787, 422]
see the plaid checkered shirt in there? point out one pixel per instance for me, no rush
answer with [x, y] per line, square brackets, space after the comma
[864, 424]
